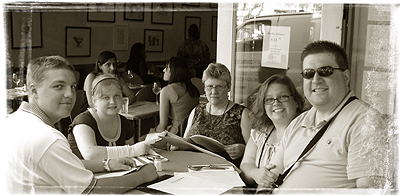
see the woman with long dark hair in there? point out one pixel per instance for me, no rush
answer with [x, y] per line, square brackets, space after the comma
[179, 97]
[137, 63]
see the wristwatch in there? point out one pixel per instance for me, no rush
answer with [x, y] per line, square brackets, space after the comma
[106, 167]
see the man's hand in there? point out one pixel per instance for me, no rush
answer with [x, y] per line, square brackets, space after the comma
[235, 150]
[264, 177]
[148, 172]
[121, 164]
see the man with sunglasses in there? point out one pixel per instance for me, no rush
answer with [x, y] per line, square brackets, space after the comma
[340, 158]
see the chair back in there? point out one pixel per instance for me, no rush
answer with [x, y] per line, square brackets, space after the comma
[146, 94]
[199, 84]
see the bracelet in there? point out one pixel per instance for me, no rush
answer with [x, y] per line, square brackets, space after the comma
[106, 167]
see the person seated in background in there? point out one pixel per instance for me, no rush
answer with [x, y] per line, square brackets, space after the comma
[106, 63]
[276, 104]
[39, 159]
[137, 63]
[220, 119]
[101, 132]
[178, 98]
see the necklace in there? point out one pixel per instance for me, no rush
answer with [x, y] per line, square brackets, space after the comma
[101, 125]
[212, 124]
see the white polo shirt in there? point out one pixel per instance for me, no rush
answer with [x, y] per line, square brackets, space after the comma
[338, 159]
[39, 157]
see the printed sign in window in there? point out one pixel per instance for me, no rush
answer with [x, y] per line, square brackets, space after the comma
[275, 51]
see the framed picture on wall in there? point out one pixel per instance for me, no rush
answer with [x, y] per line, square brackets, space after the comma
[162, 13]
[120, 37]
[134, 11]
[191, 4]
[101, 12]
[153, 40]
[214, 28]
[77, 41]
[213, 5]
[26, 33]
[189, 20]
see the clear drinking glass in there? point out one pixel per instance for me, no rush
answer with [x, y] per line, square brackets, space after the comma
[16, 79]
[130, 76]
[156, 90]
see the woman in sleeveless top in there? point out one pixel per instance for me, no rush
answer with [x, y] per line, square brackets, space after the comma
[100, 132]
[220, 119]
[276, 104]
[178, 98]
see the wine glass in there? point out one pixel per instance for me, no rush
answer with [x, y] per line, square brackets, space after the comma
[16, 79]
[130, 76]
[156, 90]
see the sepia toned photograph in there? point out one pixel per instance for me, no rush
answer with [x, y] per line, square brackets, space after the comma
[200, 98]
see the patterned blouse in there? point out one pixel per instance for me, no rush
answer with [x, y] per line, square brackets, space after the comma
[224, 128]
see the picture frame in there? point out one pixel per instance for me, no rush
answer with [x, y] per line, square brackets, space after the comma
[120, 37]
[162, 13]
[213, 5]
[214, 25]
[101, 12]
[134, 11]
[24, 33]
[153, 40]
[77, 41]
[191, 4]
[189, 20]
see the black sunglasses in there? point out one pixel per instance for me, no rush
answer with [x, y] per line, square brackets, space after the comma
[322, 71]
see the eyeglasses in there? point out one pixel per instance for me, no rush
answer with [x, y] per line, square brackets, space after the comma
[322, 71]
[280, 98]
[218, 88]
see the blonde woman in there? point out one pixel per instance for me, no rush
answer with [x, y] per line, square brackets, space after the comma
[101, 132]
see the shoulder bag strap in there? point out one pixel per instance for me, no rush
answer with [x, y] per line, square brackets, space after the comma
[314, 140]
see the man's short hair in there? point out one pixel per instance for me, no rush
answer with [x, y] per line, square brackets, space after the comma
[37, 67]
[326, 47]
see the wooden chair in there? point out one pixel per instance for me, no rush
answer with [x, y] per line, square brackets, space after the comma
[199, 84]
[146, 94]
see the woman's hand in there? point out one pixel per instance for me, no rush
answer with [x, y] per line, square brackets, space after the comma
[264, 177]
[235, 151]
[152, 138]
[121, 164]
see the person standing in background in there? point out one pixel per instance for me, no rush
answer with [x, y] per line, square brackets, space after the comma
[195, 52]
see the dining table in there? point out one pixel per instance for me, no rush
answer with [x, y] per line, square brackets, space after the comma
[15, 97]
[140, 110]
[178, 161]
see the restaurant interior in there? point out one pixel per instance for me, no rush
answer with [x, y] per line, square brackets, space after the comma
[233, 33]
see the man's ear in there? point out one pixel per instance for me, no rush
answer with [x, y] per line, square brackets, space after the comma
[32, 89]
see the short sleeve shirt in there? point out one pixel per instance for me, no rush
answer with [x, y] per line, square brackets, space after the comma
[337, 160]
[40, 160]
